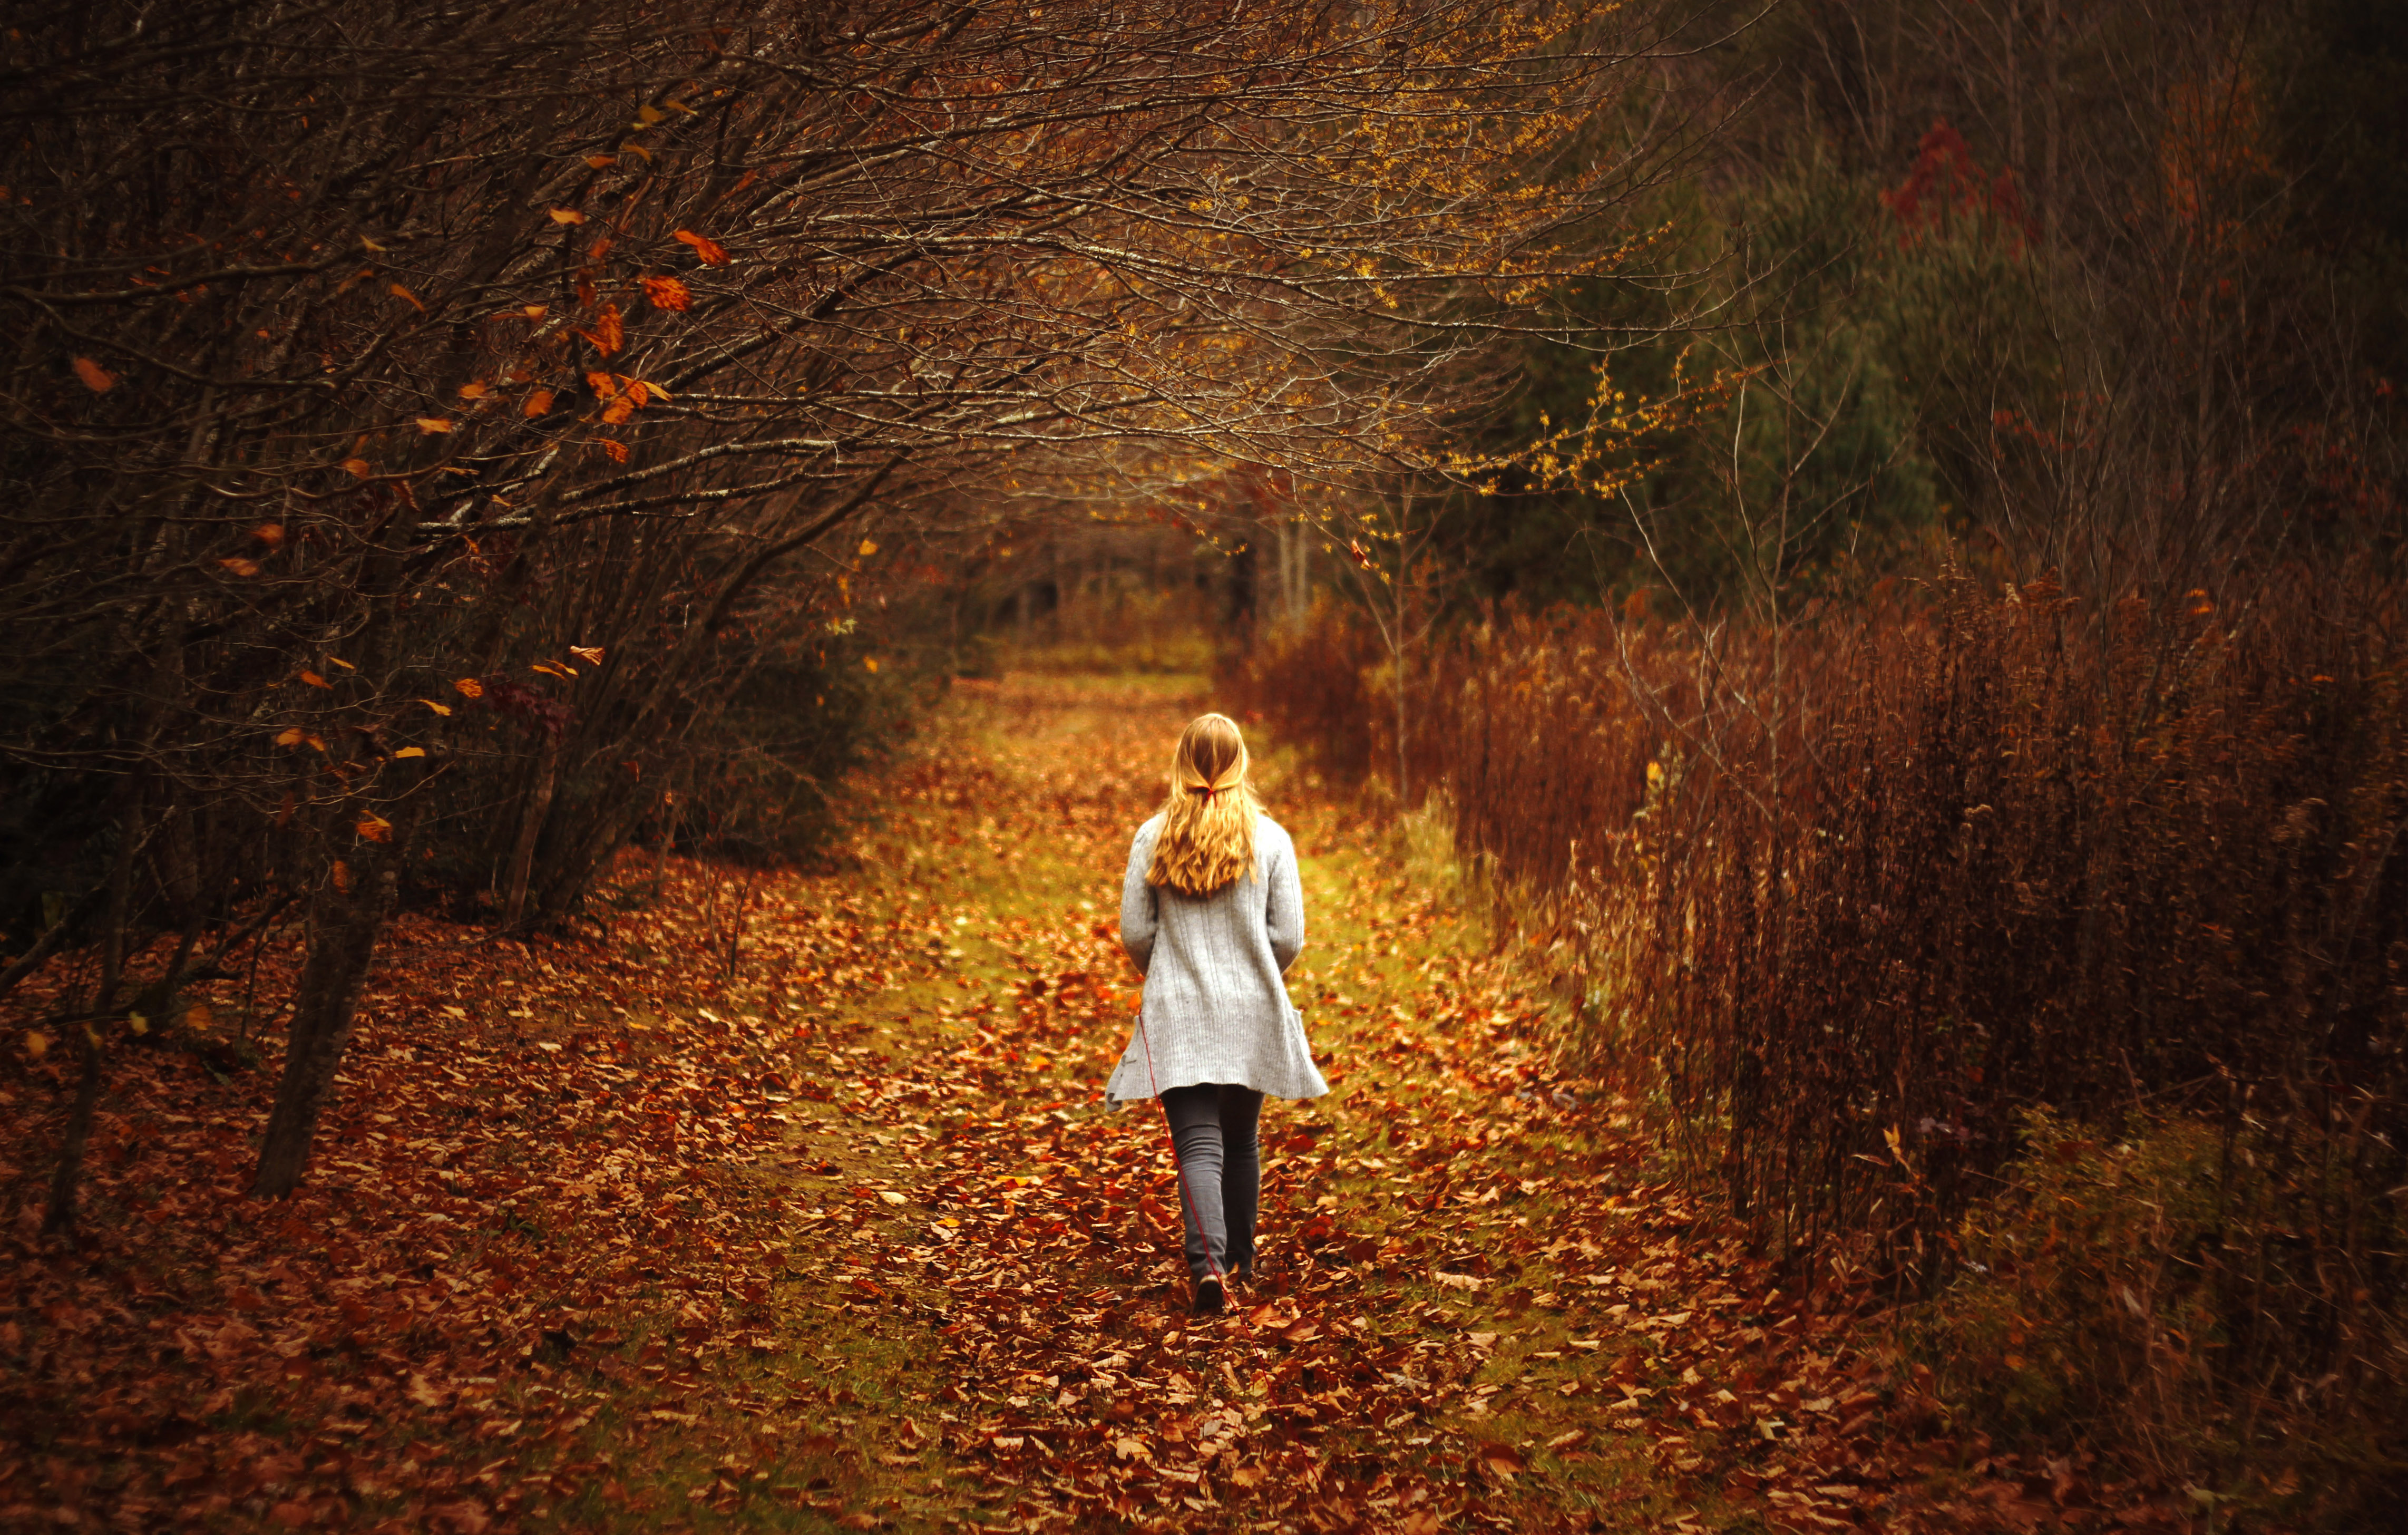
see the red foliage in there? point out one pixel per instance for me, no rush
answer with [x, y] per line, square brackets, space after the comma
[1947, 183]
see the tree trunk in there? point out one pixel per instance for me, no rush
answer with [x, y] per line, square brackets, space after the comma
[59, 1218]
[538, 809]
[343, 932]
[59, 1215]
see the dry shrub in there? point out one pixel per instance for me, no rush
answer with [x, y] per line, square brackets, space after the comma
[1851, 895]
[1314, 687]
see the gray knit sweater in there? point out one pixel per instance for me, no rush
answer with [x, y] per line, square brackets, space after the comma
[1215, 1008]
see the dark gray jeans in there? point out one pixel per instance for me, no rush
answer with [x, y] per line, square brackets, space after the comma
[1213, 1130]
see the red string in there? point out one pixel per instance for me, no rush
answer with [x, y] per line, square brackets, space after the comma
[1186, 1198]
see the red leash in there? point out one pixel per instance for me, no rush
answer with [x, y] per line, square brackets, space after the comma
[1186, 1197]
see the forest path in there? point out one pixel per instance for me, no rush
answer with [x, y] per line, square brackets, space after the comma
[787, 1201]
[1475, 1309]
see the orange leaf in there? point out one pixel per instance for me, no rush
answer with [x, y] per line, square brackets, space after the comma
[621, 408]
[360, 468]
[95, 377]
[473, 390]
[604, 385]
[399, 291]
[410, 751]
[291, 736]
[240, 567]
[711, 251]
[270, 534]
[618, 450]
[601, 161]
[535, 311]
[432, 424]
[538, 402]
[440, 708]
[567, 215]
[341, 875]
[589, 655]
[668, 293]
[314, 680]
[373, 827]
[609, 333]
[470, 688]
[640, 392]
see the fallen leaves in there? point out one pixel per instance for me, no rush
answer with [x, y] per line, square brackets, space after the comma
[576, 1195]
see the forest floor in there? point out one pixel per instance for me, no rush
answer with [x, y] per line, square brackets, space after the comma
[789, 1201]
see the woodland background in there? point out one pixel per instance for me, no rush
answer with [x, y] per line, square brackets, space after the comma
[1872, 530]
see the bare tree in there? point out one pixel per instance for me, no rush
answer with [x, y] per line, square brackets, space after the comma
[418, 415]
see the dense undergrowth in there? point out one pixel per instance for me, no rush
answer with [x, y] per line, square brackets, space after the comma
[2043, 955]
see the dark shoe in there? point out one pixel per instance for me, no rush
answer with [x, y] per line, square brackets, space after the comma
[1209, 1299]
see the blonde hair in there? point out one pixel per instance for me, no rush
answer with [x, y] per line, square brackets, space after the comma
[1208, 823]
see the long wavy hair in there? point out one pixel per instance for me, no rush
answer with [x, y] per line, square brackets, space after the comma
[1208, 823]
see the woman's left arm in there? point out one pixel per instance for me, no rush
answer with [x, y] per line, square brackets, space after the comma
[1284, 913]
[1140, 920]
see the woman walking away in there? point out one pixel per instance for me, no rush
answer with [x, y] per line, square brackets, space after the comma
[1213, 914]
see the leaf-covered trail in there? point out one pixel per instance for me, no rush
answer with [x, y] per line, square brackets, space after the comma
[788, 1202]
[1474, 1307]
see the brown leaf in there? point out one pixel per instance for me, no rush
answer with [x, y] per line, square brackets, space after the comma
[461, 1518]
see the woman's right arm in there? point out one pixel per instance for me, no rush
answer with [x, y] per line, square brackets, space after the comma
[1140, 916]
